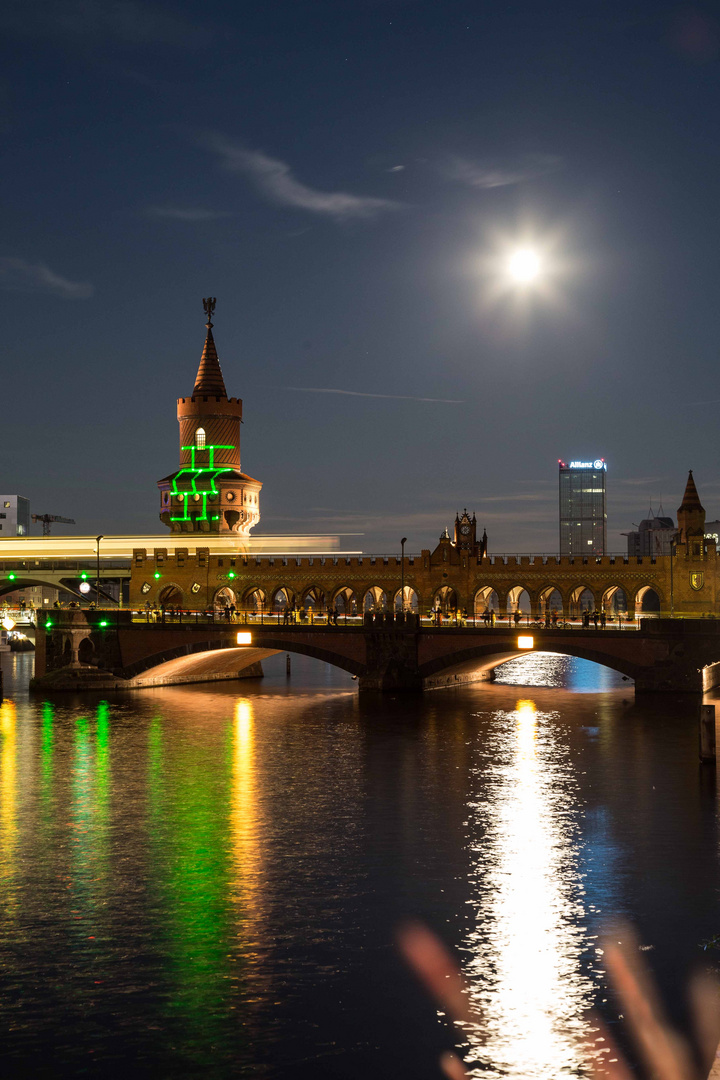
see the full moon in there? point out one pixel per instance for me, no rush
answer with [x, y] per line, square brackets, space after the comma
[524, 264]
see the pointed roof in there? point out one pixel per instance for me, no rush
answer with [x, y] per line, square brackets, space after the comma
[210, 377]
[691, 499]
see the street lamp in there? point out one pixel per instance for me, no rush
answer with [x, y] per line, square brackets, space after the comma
[403, 542]
[97, 576]
[672, 582]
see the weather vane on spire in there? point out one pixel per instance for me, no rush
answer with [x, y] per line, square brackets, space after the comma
[209, 308]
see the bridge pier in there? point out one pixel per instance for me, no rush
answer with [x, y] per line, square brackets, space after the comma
[392, 662]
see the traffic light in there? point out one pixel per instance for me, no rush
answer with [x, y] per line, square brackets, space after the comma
[11, 577]
[231, 574]
[157, 575]
[83, 576]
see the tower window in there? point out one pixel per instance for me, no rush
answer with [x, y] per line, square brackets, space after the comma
[200, 438]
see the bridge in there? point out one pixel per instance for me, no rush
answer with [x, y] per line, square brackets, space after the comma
[118, 650]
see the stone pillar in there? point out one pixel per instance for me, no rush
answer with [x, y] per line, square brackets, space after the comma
[392, 660]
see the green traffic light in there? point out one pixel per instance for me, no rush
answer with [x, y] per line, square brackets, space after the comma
[103, 623]
[83, 577]
[157, 575]
[231, 574]
[11, 577]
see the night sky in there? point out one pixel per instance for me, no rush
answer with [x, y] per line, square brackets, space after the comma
[349, 179]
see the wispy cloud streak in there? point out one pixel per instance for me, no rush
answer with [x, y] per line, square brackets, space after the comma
[359, 393]
[274, 179]
[22, 276]
[487, 174]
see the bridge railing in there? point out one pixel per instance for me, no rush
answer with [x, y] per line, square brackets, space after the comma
[105, 618]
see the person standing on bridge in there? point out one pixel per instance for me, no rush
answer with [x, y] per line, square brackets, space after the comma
[603, 619]
[595, 618]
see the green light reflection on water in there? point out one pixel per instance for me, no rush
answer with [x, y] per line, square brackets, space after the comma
[188, 781]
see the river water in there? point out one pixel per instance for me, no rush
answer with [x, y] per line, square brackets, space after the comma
[208, 880]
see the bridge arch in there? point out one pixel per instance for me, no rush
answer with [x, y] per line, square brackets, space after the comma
[549, 599]
[313, 597]
[199, 660]
[345, 600]
[410, 600]
[486, 598]
[486, 657]
[614, 599]
[648, 600]
[445, 599]
[254, 598]
[224, 596]
[282, 597]
[375, 599]
[171, 595]
[581, 598]
[519, 599]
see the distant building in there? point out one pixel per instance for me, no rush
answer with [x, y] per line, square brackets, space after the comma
[712, 531]
[14, 515]
[583, 513]
[655, 535]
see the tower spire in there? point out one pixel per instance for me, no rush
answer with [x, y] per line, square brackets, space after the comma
[691, 514]
[210, 377]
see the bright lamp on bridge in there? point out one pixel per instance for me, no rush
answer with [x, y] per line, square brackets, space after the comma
[244, 637]
[526, 642]
[8, 623]
[84, 587]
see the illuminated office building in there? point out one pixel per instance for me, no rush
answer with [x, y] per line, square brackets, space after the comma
[583, 514]
[14, 515]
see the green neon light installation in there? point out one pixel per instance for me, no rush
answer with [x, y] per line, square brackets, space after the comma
[202, 480]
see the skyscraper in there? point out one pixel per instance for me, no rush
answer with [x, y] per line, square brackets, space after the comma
[583, 516]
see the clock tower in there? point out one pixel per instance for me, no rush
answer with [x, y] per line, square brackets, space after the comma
[209, 493]
[465, 532]
[466, 535]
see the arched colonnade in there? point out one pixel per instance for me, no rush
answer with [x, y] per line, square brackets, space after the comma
[352, 599]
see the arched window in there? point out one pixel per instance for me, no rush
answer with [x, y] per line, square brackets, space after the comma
[200, 438]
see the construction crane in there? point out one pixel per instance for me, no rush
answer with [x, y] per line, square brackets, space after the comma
[47, 520]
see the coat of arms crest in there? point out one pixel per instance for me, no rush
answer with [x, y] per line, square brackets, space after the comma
[697, 579]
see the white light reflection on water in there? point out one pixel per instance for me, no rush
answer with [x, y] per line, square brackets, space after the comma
[556, 670]
[529, 938]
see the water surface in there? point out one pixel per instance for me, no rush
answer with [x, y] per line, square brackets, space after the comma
[207, 880]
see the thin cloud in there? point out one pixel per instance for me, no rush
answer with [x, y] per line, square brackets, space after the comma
[188, 213]
[358, 393]
[115, 20]
[22, 276]
[275, 180]
[487, 174]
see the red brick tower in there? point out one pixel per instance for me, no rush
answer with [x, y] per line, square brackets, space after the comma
[209, 492]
